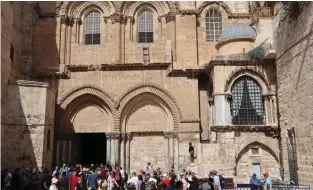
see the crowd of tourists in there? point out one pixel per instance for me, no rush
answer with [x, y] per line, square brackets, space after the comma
[106, 177]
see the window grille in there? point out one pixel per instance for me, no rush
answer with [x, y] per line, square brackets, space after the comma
[247, 106]
[92, 28]
[145, 27]
[214, 25]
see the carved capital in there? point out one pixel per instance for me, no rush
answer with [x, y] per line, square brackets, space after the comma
[78, 21]
[64, 19]
[166, 135]
[131, 19]
[70, 21]
[170, 17]
[211, 101]
[118, 17]
[129, 136]
[229, 97]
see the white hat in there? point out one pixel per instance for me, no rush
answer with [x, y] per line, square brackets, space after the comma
[54, 180]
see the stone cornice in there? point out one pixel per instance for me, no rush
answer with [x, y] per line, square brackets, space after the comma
[29, 83]
[239, 15]
[190, 120]
[58, 75]
[192, 73]
[117, 67]
[221, 43]
[244, 128]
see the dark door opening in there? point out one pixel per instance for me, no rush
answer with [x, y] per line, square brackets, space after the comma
[89, 148]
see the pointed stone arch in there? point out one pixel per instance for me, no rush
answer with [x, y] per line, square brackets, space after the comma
[256, 143]
[155, 91]
[260, 78]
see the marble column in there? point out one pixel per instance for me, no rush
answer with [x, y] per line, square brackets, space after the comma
[63, 151]
[171, 148]
[112, 151]
[122, 152]
[167, 153]
[176, 152]
[117, 149]
[69, 151]
[128, 152]
[108, 161]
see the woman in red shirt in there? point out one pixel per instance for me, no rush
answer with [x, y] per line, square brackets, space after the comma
[73, 180]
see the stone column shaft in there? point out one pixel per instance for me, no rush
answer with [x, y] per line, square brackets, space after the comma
[69, 151]
[128, 152]
[108, 159]
[112, 151]
[122, 152]
[58, 153]
[117, 150]
[176, 153]
[171, 148]
[167, 152]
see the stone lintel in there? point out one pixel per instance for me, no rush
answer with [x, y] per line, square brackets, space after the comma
[190, 120]
[245, 128]
[58, 75]
[29, 83]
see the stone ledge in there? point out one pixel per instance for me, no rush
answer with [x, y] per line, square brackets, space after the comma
[245, 128]
[29, 83]
[190, 120]
[117, 67]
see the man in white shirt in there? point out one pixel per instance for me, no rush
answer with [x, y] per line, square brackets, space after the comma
[217, 184]
[133, 181]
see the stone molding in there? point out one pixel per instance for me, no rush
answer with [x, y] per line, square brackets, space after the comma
[219, 3]
[29, 83]
[222, 43]
[242, 71]
[117, 67]
[152, 89]
[190, 120]
[58, 75]
[244, 128]
[192, 73]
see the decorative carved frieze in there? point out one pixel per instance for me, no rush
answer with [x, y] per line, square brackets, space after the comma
[131, 19]
[118, 17]
[64, 19]
[188, 12]
[170, 17]
[239, 15]
[245, 128]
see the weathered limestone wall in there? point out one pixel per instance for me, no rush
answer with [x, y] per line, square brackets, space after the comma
[295, 93]
[30, 115]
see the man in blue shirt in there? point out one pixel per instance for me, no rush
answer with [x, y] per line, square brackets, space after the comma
[92, 180]
[255, 182]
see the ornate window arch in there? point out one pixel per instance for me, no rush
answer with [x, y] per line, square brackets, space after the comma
[247, 105]
[145, 26]
[92, 27]
[214, 24]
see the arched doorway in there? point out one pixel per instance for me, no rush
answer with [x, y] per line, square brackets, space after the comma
[81, 134]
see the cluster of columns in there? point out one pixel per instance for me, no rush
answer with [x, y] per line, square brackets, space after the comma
[118, 149]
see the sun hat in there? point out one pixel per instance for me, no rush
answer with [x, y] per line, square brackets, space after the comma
[54, 180]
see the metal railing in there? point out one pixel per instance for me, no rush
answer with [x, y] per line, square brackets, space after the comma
[274, 187]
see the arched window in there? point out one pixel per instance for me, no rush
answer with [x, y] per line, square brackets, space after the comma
[145, 27]
[92, 28]
[214, 25]
[247, 106]
[48, 140]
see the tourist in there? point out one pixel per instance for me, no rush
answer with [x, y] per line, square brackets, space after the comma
[79, 184]
[123, 175]
[132, 182]
[192, 152]
[73, 180]
[267, 182]
[34, 180]
[46, 180]
[103, 184]
[63, 169]
[149, 168]
[111, 181]
[7, 178]
[165, 181]
[55, 171]
[25, 179]
[16, 182]
[117, 178]
[255, 182]
[182, 178]
[217, 184]
[54, 184]
[140, 180]
[206, 185]
[144, 183]
[172, 185]
[92, 180]
[179, 185]
[194, 184]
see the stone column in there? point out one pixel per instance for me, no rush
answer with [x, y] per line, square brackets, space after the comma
[117, 149]
[176, 152]
[69, 151]
[63, 151]
[167, 153]
[122, 152]
[69, 40]
[128, 152]
[171, 148]
[108, 149]
[112, 151]
[62, 47]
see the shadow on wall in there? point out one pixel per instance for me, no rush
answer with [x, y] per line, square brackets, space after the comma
[292, 155]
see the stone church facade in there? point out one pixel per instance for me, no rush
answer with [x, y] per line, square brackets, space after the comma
[152, 77]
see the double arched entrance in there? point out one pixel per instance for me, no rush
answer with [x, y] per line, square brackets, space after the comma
[139, 127]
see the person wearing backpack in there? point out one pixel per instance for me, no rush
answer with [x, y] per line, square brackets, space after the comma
[34, 179]
[144, 184]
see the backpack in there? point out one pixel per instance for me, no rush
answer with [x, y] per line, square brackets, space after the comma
[34, 177]
[151, 185]
[131, 186]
